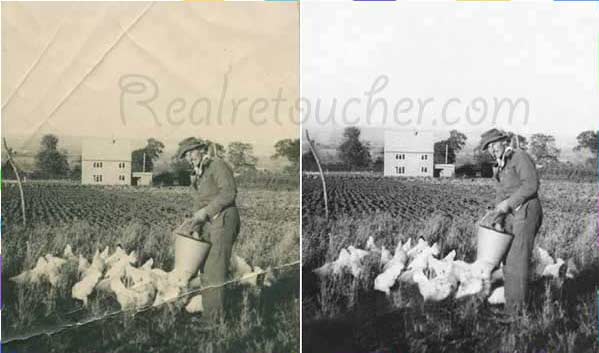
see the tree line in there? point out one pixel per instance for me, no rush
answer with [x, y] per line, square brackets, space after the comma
[355, 154]
[51, 162]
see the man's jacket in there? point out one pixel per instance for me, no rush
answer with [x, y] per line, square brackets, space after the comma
[215, 188]
[518, 180]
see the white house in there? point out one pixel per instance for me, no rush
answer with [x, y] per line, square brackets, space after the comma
[409, 153]
[106, 162]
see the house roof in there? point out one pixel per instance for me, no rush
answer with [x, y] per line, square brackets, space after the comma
[409, 141]
[106, 150]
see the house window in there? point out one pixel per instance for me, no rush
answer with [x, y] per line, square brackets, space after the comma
[424, 169]
[97, 178]
[122, 177]
[424, 157]
[400, 156]
[400, 170]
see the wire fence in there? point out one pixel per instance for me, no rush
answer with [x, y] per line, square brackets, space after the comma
[49, 331]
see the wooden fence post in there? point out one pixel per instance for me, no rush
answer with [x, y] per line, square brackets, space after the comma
[324, 184]
[16, 170]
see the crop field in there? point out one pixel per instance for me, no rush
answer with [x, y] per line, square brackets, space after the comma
[41, 318]
[346, 312]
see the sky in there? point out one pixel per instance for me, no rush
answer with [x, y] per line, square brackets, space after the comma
[453, 59]
[140, 70]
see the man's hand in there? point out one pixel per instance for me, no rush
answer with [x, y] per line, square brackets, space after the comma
[493, 219]
[199, 217]
[503, 207]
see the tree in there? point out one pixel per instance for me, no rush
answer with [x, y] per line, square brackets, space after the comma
[75, 172]
[352, 151]
[379, 164]
[440, 149]
[218, 149]
[520, 139]
[241, 157]
[7, 171]
[50, 162]
[456, 141]
[452, 145]
[290, 149]
[309, 162]
[152, 152]
[49, 142]
[543, 149]
[587, 140]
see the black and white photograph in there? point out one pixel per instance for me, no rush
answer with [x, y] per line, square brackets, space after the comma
[449, 177]
[150, 177]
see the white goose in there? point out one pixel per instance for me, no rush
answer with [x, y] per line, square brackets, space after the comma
[370, 245]
[418, 248]
[385, 256]
[421, 259]
[471, 282]
[543, 259]
[391, 270]
[436, 289]
[407, 245]
[553, 270]
[35, 275]
[497, 297]
[195, 305]
[68, 253]
[82, 289]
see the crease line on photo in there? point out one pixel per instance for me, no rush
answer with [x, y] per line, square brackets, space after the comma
[32, 67]
[87, 74]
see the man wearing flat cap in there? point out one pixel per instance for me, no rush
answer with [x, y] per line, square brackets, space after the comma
[517, 209]
[215, 213]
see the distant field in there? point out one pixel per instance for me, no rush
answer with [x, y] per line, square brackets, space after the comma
[142, 219]
[351, 314]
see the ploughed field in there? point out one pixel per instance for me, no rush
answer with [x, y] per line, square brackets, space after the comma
[108, 206]
[141, 219]
[406, 198]
[346, 309]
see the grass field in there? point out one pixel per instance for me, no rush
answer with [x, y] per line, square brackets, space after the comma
[142, 219]
[350, 316]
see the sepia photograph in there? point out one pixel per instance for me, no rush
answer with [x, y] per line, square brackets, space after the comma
[150, 177]
[449, 177]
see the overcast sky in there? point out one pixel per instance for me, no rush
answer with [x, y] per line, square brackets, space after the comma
[64, 66]
[544, 52]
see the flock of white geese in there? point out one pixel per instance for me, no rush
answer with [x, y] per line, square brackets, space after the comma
[134, 287]
[437, 279]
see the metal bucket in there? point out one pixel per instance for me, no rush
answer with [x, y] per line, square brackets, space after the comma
[190, 255]
[491, 245]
